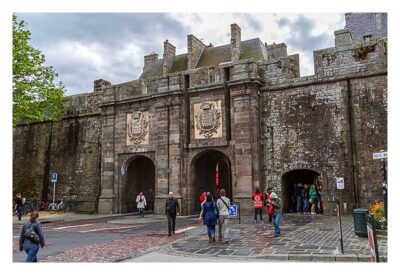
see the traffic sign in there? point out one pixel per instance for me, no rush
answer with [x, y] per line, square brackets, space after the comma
[54, 177]
[380, 155]
[233, 210]
[340, 183]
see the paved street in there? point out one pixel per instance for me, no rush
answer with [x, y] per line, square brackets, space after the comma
[96, 238]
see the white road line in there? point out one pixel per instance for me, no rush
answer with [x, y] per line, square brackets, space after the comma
[185, 229]
[71, 226]
[107, 228]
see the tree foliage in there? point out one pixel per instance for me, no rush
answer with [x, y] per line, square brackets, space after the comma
[36, 97]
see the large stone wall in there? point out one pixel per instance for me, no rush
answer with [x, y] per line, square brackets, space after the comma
[73, 145]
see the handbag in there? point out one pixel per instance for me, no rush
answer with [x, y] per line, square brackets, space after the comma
[31, 234]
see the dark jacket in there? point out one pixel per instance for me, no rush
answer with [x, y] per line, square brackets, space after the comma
[277, 206]
[38, 229]
[18, 202]
[171, 206]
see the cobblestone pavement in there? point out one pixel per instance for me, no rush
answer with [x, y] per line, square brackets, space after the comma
[303, 238]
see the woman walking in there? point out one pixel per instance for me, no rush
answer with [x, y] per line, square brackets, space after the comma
[141, 203]
[31, 237]
[209, 217]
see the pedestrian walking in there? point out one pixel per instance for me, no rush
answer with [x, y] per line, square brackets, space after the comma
[141, 203]
[306, 199]
[171, 210]
[268, 205]
[150, 201]
[31, 237]
[209, 217]
[257, 199]
[277, 213]
[313, 199]
[18, 205]
[223, 205]
[299, 199]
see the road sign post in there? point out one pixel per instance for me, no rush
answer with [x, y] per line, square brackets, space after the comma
[382, 156]
[54, 180]
[340, 225]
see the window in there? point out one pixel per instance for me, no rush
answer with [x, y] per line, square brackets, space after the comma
[187, 81]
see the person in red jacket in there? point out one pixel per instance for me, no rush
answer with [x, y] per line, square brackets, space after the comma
[269, 205]
[258, 203]
[202, 198]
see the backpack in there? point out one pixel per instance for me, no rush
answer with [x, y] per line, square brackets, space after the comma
[31, 234]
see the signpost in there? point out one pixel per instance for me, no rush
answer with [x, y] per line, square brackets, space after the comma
[373, 245]
[234, 211]
[340, 225]
[382, 156]
[53, 179]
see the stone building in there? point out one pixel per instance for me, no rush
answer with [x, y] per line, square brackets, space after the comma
[242, 107]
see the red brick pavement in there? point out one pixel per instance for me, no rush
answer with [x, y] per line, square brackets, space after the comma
[114, 250]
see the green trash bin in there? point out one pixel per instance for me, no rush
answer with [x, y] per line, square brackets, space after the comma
[360, 222]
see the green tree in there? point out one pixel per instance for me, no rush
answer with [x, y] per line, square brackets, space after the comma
[36, 97]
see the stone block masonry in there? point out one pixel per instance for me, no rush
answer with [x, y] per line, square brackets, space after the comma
[240, 109]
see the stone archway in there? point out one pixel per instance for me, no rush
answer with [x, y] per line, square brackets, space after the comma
[203, 168]
[289, 180]
[140, 177]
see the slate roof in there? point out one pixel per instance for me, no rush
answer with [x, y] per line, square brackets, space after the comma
[250, 49]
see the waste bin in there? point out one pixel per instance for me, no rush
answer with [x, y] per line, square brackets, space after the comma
[360, 221]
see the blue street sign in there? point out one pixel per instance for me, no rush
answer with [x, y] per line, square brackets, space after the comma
[233, 210]
[53, 177]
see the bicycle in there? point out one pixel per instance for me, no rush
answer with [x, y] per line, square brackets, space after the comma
[57, 207]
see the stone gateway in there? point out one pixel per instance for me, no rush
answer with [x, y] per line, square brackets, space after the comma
[240, 110]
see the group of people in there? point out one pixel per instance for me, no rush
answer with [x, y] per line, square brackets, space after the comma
[307, 199]
[274, 208]
[215, 212]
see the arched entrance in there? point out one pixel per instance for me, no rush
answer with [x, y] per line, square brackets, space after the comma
[204, 166]
[140, 178]
[289, 183]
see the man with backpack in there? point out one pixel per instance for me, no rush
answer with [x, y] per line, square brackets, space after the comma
[223, 205]
[31, 237]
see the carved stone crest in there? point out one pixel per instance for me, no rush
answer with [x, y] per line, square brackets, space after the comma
[137, 128]
[208, 119]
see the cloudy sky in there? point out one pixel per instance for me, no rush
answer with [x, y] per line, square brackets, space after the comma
[83, 47]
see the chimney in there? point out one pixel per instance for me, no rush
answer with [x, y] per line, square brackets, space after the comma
[169, 56]
[276, 51]
[343, 38]
[148, 59]
[235, 42]
[194, 48]
[100, 84]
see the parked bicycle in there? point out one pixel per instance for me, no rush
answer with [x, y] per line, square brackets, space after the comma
[58, 207]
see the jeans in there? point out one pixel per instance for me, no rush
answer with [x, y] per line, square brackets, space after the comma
[19, 213]
[257, 210]
[305, 205]
[277, 221]
[298, 204]
[31, 250]
[171, 222]
[141, 212]
[211, 230]
[223, 226]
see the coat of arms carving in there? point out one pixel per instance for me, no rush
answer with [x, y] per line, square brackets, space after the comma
[137, 127]
[208, 119]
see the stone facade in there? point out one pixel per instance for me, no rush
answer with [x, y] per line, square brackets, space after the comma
[241, 107]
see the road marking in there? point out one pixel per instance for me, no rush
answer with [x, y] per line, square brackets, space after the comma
[185, 229]
[107, 228]
[71, 226]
